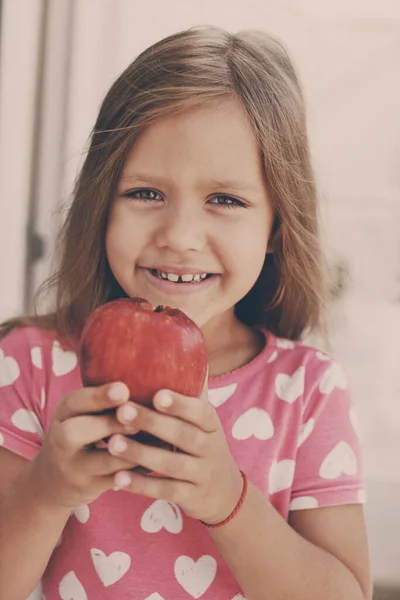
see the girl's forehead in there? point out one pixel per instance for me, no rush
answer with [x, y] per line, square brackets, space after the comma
[213, 143]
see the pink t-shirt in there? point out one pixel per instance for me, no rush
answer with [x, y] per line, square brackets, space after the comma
[289, 422]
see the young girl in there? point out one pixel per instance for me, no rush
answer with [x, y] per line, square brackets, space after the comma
[196, 192]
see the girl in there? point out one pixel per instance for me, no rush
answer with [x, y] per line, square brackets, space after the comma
[197, 192]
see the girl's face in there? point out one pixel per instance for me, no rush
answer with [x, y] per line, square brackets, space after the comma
[192, 201]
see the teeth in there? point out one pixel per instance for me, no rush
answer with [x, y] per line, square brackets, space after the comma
[186, 278]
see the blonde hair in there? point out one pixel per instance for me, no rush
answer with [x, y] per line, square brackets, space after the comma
[185, 70]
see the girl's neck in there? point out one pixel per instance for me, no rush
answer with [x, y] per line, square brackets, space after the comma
[231, 345]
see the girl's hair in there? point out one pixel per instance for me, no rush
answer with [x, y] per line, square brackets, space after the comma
[186, 70]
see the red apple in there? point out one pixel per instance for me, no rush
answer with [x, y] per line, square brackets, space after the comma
[148, 349]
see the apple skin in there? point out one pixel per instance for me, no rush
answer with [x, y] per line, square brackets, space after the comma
[126, 340]
[148, 349]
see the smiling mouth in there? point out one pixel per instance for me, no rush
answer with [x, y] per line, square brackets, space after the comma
[181, 279]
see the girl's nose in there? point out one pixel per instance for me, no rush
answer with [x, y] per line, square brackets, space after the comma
[181, 231]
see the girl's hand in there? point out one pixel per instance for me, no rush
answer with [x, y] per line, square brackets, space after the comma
[69, 469]
[203, 478]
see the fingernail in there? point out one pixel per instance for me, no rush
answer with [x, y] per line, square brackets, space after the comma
[165, 399]
[118, 392]
[122, 480]
[129, 412]
[119, 445]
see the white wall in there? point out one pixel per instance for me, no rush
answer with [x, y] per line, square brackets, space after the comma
[20, 47]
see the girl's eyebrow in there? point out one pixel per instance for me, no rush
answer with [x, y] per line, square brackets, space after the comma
[232, 185]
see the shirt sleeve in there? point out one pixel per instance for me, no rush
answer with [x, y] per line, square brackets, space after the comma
[329, 467]
[21, 393]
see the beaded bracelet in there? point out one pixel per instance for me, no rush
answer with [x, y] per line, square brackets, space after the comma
[235, 510]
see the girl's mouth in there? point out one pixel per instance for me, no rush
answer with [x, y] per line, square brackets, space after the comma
[172, 283]
[175, 278]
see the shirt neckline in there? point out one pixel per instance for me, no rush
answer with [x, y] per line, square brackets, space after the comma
[249, 368]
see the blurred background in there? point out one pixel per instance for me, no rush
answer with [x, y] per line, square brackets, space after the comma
[58, 58]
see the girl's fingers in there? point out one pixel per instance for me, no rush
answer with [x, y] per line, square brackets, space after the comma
[185, 436]
[100, 462]
[171, 464]
[197, 411]
[153, 487]
[83, 430]
[92, 400]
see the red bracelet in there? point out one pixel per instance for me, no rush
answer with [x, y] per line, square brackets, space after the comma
[235, 510]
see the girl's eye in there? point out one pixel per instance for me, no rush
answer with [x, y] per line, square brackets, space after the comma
[227, 201]
[144, 195]
[148, 195]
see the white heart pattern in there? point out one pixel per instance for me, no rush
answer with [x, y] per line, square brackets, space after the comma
[281, 475]
[334, 377]
[162, 514]
[273, 357]
[322, 356]
[219, 396]
[254, 422]
[36, 357]
[303, 502]
[195, 576]
[9, 370]
[82, 513]
[1, 439]
[63, 361]
[110, 568]
[239, 597]
[305, 432]
[290, 387]
[154, 596]
[70, 588]
[284, 344]
[27, 420]
[341, 459]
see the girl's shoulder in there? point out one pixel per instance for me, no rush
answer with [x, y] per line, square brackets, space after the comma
[28, 335]
[315, 367]
[283, 358]
[37, 370]
[30, 341]
[29, 350]
[299, 351]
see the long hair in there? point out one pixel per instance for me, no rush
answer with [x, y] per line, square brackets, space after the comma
[185, 70]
